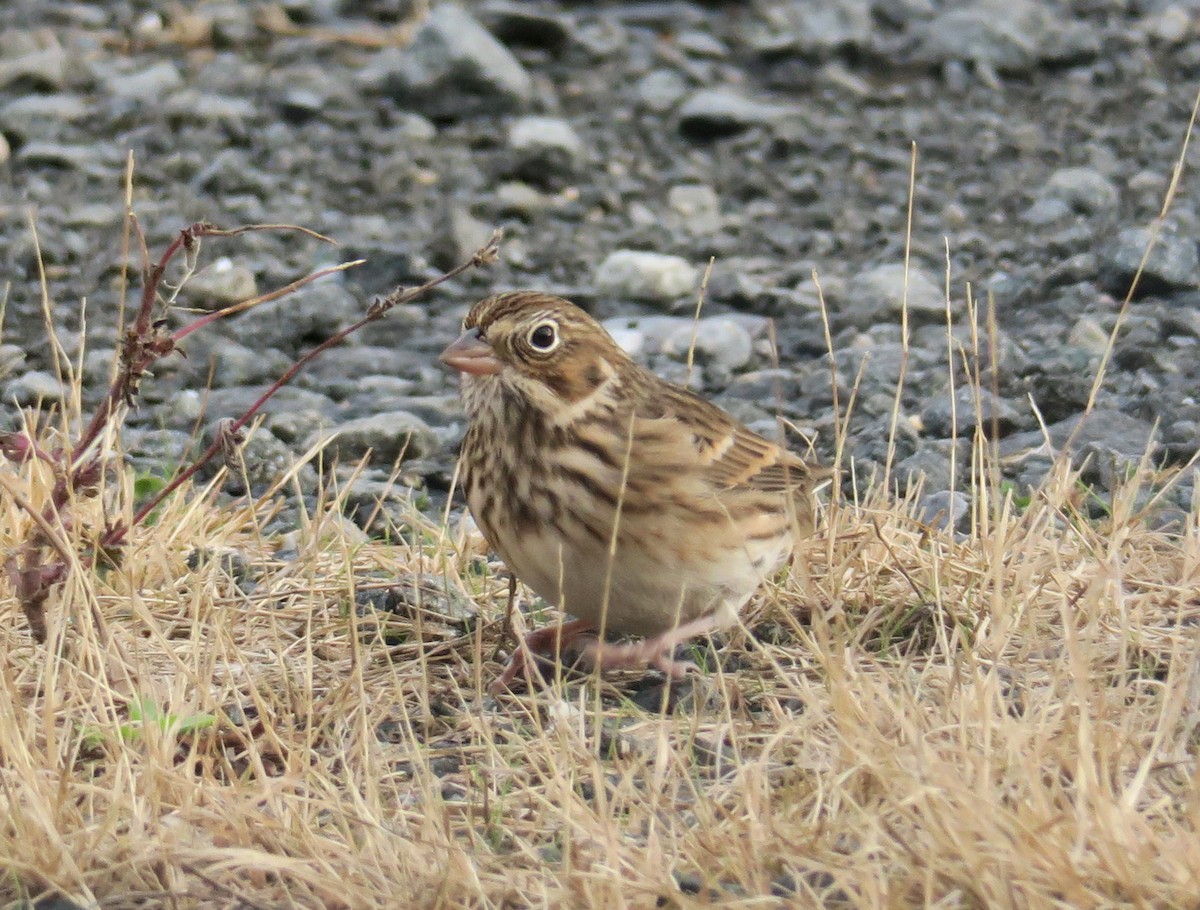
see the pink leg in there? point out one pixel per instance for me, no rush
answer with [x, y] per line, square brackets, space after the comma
[548, 641]
[653, 652]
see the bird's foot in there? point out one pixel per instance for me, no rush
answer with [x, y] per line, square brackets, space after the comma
[540, 648]
[657, 652]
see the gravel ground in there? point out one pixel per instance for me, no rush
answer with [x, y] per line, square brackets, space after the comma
[621, 145]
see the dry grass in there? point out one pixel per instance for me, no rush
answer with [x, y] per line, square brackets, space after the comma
[1010, 718]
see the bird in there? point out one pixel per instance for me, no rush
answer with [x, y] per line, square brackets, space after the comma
[630, 503]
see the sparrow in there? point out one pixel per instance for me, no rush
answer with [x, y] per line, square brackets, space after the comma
[632, 504]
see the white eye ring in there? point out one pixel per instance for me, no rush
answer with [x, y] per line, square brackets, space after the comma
[544, 337]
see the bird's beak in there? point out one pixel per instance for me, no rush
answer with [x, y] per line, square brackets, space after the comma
[471, 354]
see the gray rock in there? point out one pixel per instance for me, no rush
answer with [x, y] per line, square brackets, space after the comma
[660, 90]
[233, 401]
[453, 68]
[86, 158]
[513, 197]
[461, 235]
[518, 23]
[42, 116]
[944, 509]
[304, 318]
[378, 503]
[12, 356]
[44, 68]
[931, 466]
[227, 361]
[260, 461]
[1174, 262]
[389, 437]
[32, 387]
[1010, 36]
[547, 150]
[946, 415]
[221, 283]
[147, 84]
[695, 207]
[878, 294]
[1047, 211]
[643, 275]
[194, 106]
[1082, 190]
[1088, 335]
[1102, 430]
[718, 340]
[811, 27]
[713, 113]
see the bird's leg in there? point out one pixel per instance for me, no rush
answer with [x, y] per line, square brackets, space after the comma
[552, 640]
[507, 631]
[654, 652]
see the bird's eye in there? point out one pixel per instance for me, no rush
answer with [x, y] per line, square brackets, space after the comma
[544, 337]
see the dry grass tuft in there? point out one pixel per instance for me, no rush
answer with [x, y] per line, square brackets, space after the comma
[1005, 718]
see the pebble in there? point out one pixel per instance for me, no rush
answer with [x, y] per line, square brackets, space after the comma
[714, 113]
[1082, 189]
[145, 85]
[32, 387]
[944, 509]
[715, 340]
[1174, 262]
[43, 69]
[312, 314]
[643, 275]
[878, 294]
[221, 283]
[660, 90]
[696, 208]
[547, 150]
[959, 414]
[385, 437]
[453, 68]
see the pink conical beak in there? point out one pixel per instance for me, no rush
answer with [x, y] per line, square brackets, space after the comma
[471, 354]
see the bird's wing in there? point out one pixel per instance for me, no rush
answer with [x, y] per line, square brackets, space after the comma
[681, 427]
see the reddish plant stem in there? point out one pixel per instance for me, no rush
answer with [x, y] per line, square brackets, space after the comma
[116, 536]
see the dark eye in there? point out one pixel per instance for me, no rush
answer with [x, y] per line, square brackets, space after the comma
[544, 337]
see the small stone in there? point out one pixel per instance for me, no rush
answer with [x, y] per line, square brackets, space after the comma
[878, 294]
[517, 23]
[223, 283]
[696, 207]
[655, 277]
[661, 90]
[520, 199]
[1102, 429]
[12, 356]
[391, 436]
[1088, 335]
[1082, 190]
[1174, 262]
[714, 113]
[305, 317]
[944, 509]
[717, 339]
[547, 150]
[42, 69]
[147, 84]
[453, 68]
[33, 387]
[945, 415]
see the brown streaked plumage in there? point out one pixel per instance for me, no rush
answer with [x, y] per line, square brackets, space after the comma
[629, 502]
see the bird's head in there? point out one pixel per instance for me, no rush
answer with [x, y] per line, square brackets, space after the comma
[539, 347]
